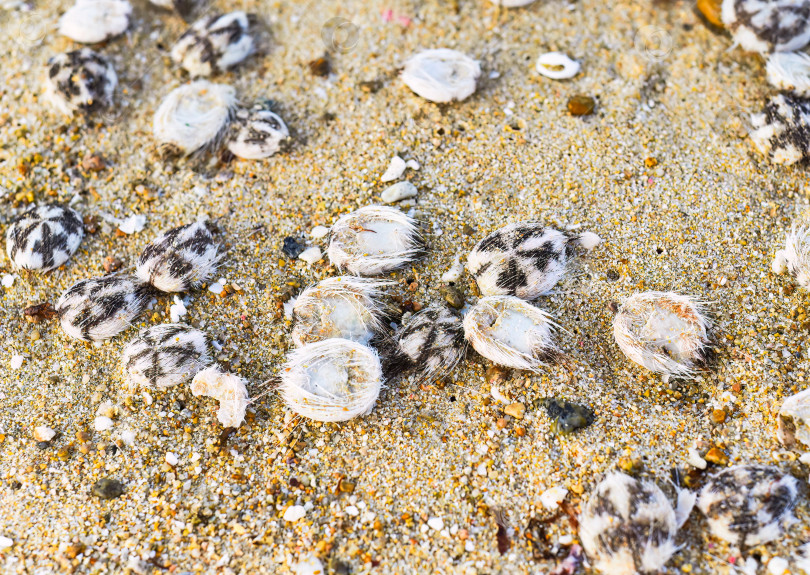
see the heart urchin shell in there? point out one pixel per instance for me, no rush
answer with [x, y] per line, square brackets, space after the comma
[525, 259]
[179, 259]
[331, 380]
[164, 356]
[511, 332]
[345, 307]
[768, 25]
[795, 258]
[81, 80]
[441, 75]
[665, 332]
[374, 240]
[782, 129]
[44, 238]
[227, 388]
[790, 72]
[101, 308]
[749, 504]
[194, 117]
[214, 44]
[92, 21]
[258, 133]
[628, 526]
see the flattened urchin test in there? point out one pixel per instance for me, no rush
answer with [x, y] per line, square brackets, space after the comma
[44, 238]
[331, 380]
[768, 25]
[93, 21]
[511, 332]
[164, 356]
[441, 75]
[179, 259]
[374, 240]
[100, 308]
[782, 129]
[81, 80]
[214, 44]
[525, 259]
[345, 307]
[664, 332]
[257, 133]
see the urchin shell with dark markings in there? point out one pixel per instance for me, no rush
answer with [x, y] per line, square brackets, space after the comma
[749, 504]
[214, 44]
[431, 342]
[100, 308]
[164, 356]
[628, 526]
[525, 259]
[768, 25]
[81, 80]
[179, 259]
[258, 133]
[782, 129]
[44, 238]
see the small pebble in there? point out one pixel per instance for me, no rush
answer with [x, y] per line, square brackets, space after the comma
[778, 566]
[551, 498]
[718, 416]
[171, 459]
[567, 417]
[294, 513]
[716, 456]
[436, 523]
[44, 433]
[102, 423]
[712, 11]
[581, 105]
[452, 296]
[516, 410]
[5, 542]
[16, 361]
[497, 375]
[397, 192]
[108, 488]
[395, 169]
[292, 248]
[318, 232]
[311, 255]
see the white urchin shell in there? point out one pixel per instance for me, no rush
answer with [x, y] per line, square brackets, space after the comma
[790, 71]
[346, 307]
[794, 420]
[214, 44]
[795, 258]
[374, 240]
[194, 117]
[164, 356]
[179, 259]
[44, 238]
[441, 75]
[331, 380]
[511, 332]
[92, 21]
[749, 504]
[628, 526]
[101, 308]
[81, 80]
[664, 332]
[557, 66]
[227, 388]
[525, 259]
[768, 25]
[431, 342]
[782, 129]
[259, 133]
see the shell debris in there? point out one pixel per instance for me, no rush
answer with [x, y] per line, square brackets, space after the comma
[228, 389]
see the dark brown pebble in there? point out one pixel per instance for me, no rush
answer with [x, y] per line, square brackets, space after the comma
[452, 296]
[112, 264]
[320, 66]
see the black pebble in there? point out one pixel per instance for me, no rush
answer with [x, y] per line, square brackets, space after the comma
[612, 275]
[43, 445]
[108, 488]
[292, 248]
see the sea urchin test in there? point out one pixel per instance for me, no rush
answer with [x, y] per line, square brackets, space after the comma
[164, 355]
[795, 257]
[44, 237]
[213, 44]
[441, 75]
[768, 25]
[258, 133]
[790, 72]
[80, 81]
[93, 21]
[782, 129]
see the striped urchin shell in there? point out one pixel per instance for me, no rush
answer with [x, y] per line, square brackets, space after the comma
[525, 259]
[179, 259]
[164, 356]
[259, 133]
[81, 80]
[441, 75]
[768, 25]
[749, 504]
[214, 43]
[628, 526]
[790, 72]
[93, 21]
[44, 238]
[101, 308]
[511, 332]
[782, 129]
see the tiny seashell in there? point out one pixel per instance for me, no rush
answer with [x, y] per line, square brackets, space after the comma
[331, 380]
[100, 308]
[374, 240]
[525, 259]
[194, 117]
[92, 21]
[227, 388]
[81, 80]
[628, 526]
[258, 133]
[794, 420]
[44, 238]
[164, 355]
[214, 44]
[179, 259]
[511, 332]
[664, 332]
[557, 66]
[790, 71]
[397, 192]
[441, 75]
[769, 25]
[782, 130]
[749, 505]
[795, 257]
[345, 307]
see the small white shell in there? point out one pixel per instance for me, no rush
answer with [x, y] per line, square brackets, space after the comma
[194, 117]
[164, 356]
[663, 331]
[214, 44]
[374, 240]
[795, 258]
[790, 71]
[179, 259]
[794, 420]
[768, 25]
[511, 332]
[44, 238]
[782, 130]
[331, 380]
[259, 133]
[345, 307]
[227, 388]
[81, 80]
[557, 66]
[92, 21]
[441, 75]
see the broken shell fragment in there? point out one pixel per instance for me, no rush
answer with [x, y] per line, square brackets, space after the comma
[441, 75]
[794, 420]
[227, 388]
[557, 66]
